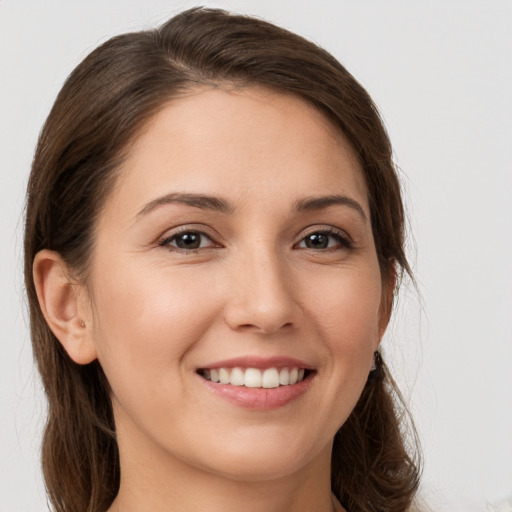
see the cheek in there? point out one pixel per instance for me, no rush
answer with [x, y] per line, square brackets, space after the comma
[346, 306]
[148, 319]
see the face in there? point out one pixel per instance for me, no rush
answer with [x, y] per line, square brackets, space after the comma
[237, 246]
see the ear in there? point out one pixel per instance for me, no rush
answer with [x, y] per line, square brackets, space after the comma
[63, 303]
[386, 305]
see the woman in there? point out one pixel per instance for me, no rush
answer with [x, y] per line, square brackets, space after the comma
[214, 235]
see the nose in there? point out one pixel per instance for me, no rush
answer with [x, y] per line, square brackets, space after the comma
[262, 296]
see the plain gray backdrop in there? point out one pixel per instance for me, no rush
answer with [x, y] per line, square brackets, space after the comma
[441, 74]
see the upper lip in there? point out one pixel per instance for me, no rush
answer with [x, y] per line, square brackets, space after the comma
[260, 363]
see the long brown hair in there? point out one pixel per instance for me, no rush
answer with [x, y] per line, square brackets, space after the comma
[99, 111]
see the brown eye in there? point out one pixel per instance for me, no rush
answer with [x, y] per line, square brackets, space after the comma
[188, 240]
[317, 241]
[324, 240]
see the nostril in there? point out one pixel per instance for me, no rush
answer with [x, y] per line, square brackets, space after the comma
[269, 328]
[264, 328]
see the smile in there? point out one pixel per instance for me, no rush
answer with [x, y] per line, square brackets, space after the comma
[255, 377]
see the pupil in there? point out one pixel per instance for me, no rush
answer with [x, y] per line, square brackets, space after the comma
[188, 241]
[317, 240]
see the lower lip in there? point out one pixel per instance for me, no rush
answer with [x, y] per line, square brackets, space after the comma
[259, 398]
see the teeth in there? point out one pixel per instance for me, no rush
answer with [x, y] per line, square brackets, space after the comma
[254, 377]
[284, 377]
[270, 378]
[223, 376]
[237, 377]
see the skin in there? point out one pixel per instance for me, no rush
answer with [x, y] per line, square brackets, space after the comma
[153, 313]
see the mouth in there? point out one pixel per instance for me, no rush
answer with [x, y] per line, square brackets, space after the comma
[266, 378]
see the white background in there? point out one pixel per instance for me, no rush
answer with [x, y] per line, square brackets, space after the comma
[441, 73]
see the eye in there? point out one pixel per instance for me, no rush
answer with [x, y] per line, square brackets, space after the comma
[325, 239]
[188, 241]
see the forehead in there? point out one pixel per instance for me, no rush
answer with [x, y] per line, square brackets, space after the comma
[245, 142]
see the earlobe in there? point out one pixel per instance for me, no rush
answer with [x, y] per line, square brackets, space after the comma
[62, 304]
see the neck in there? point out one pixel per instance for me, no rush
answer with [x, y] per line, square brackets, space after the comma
[152, 480]
[275, 496]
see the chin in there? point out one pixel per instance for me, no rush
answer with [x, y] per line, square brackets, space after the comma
[264, 459]
[258, 469]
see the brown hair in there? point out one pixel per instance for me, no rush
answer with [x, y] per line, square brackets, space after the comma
[100, 109]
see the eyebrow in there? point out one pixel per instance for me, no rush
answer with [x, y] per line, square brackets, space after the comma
[308, 204]
[204, 202]
[218, 204]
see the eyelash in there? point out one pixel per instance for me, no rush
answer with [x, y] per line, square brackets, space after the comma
[166, 242]
[342, 240]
